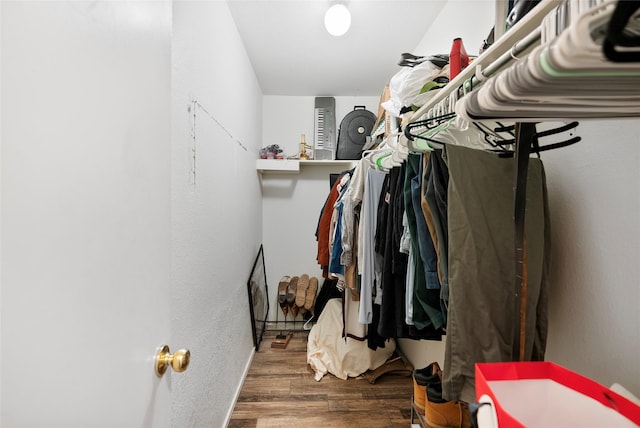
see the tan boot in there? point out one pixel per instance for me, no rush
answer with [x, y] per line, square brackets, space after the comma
[450, 414]
[422, 378]
[419, 396]
[312, 291]
[282, 288]
[294, 309]
[301, 290]
[438, 412]
[291, 290]
[282, 294]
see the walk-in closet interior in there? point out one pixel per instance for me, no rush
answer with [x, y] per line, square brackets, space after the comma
[492, 219]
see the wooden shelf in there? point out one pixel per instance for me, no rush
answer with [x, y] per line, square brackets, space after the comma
[292, 166]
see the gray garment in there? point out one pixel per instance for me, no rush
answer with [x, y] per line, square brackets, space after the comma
[482, 266]
[370, 264]
[408, 295]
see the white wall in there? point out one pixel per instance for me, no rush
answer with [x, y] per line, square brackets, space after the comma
[594, 197]
[292, 203]
[471, 20]
[216, 224]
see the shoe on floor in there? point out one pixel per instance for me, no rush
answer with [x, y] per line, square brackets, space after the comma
[419, 396]
[438, 412]
[450, 414]
[312, 291]
[301, 290]
[422, 378]
[428, 375]
[282, 288]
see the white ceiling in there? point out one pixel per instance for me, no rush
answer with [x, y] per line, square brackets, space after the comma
[292, 53]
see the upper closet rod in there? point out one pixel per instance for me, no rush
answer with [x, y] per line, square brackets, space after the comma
[520, 37]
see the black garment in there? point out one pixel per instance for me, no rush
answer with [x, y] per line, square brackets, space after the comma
[374, 340]
[392, 310]
[327, 291]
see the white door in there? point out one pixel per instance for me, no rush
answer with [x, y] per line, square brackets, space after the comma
[85, 212]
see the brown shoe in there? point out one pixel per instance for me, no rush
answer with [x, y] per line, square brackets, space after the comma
[312, 291]
[285, 309]
[291, 290]
[301, 290]
[423, 378]
[419, 396]
[294, 309]
[466, 415]
[438, 412]
[282, 288]
[451, 414]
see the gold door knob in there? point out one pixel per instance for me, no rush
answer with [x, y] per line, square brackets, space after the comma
[179, 360]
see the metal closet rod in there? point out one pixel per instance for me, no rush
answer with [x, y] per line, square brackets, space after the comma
[507, 57]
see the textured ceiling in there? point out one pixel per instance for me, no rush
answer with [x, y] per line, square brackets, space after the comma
[292, 54]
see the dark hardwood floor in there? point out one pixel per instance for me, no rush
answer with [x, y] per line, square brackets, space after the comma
[280, 391]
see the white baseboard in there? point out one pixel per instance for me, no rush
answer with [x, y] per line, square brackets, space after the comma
[239, 388]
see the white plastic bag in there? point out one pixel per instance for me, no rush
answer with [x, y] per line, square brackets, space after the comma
[405, 86]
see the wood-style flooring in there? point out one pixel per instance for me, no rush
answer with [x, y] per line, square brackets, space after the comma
[280, 391]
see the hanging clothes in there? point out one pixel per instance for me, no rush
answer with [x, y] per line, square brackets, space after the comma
[336, 268]
[426, 309]
[435, 195]
[388, 235]
[324, 223]
[371, 264]
[482, 265]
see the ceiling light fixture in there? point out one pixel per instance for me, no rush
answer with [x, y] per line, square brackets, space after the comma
[337, 20]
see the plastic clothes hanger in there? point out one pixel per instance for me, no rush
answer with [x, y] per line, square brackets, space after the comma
[379, 161]
[389, 160]
[492, 138]
[374, 156]
[535, 140]
[616, 35]
[398, 152]
[421, 141]
[568, 76]
[401, 153]
[419, 133]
